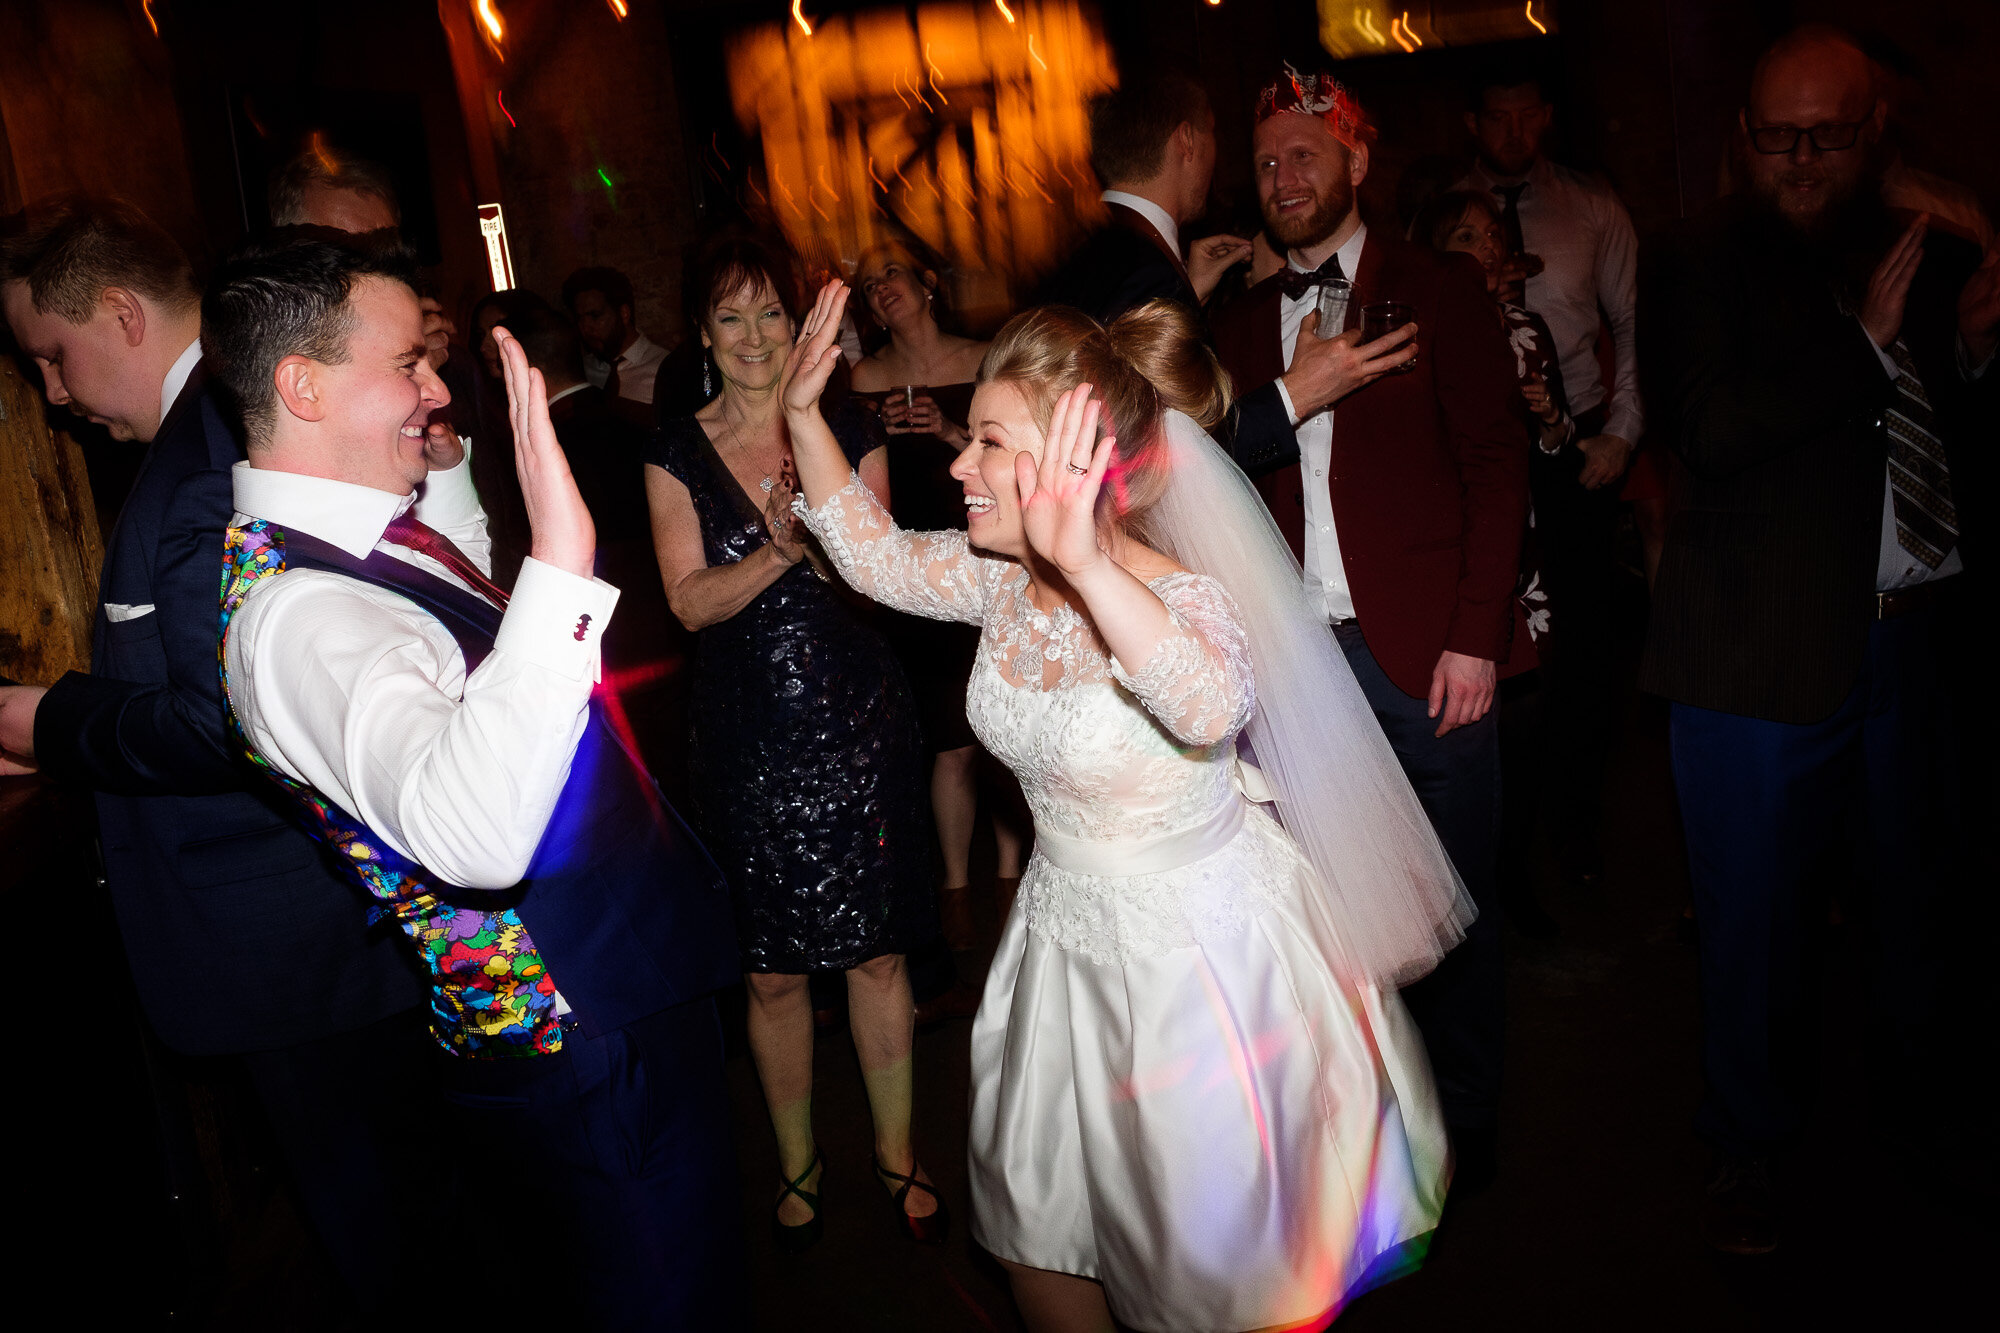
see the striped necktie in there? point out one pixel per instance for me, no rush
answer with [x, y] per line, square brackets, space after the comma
[1926, 518]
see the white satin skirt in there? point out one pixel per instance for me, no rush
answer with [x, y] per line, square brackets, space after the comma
[1227, 1135]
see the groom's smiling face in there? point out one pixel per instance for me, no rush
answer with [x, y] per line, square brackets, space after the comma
[1003, 426]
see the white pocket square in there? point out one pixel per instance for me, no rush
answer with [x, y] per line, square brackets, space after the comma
[120, 611]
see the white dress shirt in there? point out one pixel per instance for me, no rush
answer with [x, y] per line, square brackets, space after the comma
[177, 377]
[638, 366]
[357, 692]
[1590, 257]
[1325, 575]
[1895, 567]
[1162, 221]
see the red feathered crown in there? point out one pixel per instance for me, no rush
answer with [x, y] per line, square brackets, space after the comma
[1318, 94]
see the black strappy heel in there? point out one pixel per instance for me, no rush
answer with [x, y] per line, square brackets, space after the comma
[795, 1239]
[923, 1230]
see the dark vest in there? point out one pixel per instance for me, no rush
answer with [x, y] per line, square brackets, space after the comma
[624, 903]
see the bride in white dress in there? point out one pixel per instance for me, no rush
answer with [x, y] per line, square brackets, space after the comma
[1197, 1103]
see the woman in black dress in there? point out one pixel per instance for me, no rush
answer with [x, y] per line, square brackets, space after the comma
[927, 430]
[807, 766]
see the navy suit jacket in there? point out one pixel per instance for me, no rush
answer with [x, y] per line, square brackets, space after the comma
[1122, 265]
[241, 936]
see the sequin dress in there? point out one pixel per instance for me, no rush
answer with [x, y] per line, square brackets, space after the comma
[808, 775]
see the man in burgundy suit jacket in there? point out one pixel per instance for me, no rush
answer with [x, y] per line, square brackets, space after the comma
[1399, 473]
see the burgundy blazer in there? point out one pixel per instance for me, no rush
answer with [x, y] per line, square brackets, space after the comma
[1430, 468]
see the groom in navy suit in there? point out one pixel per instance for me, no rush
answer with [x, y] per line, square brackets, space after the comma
[242, 939]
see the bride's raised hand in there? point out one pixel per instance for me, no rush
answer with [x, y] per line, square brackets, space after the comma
[1059, 496]
[815, 350]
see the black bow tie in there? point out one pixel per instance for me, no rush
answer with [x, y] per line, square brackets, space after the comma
[1295, 284]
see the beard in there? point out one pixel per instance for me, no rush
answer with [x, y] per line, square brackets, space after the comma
[1302, 231]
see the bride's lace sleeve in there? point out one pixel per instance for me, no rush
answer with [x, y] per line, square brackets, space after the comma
[1198, 681]
[932, 574]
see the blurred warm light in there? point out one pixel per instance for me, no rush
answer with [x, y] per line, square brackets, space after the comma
[147, 6]
[489, 19]
[500, 100]
[800, 18]
[618, 9]
[962, 126]
[1005, 12]
[1351, 28]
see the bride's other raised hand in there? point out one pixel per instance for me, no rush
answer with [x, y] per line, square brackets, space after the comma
[1059, 496]
[815, 350]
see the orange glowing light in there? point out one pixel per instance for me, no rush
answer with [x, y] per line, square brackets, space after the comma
[318, 147]
[1005, 12]
[880, 184]
[1532, 19]
[147, 6]
[489, 18]
[1035, 55]
[618, 9]
[799, 18]
[942, 99]
[1364, 23]
[1409, 31]
[1396, 31]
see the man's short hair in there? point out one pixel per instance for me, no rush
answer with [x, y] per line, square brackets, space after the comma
[70, 248]
[609, 283]
[271, 301]
[546, 335]
[319, 164]
[1504, 74]
[1130, 126]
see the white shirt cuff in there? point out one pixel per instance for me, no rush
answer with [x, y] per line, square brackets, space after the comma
[448, 501]
[556, 620]
[1285, 397]
[1965, 366]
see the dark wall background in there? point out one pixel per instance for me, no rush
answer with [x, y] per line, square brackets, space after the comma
[188, 121]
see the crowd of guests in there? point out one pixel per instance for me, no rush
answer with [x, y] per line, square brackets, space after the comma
[1447, 444]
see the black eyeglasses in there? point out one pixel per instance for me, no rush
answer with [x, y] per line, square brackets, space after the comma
[1776, 139]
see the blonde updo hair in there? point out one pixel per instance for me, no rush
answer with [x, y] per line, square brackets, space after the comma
[1147, 362]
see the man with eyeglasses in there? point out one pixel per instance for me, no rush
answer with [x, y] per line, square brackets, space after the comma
[1824, 370]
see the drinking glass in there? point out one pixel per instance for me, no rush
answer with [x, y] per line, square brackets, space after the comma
[1379, 319]
[1333, 294]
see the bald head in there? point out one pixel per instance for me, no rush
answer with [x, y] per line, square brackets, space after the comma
[1812, 124]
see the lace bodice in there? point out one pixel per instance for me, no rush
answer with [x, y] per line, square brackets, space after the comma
[1103, 753]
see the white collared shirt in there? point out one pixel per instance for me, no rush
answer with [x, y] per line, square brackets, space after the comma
[177, 377]
[1162, 221]
[1590, 258]
[561, 394]
[1325, 575]
[353, 690]
[638, 366]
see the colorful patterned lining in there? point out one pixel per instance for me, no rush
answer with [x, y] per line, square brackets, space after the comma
[491, 994]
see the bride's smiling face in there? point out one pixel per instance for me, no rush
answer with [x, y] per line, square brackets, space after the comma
[1002, 426]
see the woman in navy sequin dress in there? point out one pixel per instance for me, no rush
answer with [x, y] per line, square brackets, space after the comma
[808, 769]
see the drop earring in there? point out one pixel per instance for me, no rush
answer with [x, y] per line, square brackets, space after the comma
[707, 380]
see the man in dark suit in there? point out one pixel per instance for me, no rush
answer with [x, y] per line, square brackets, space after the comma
[1398, 470]
[1152, 143]
[605, 451]
[1821, 364]
[242, 940]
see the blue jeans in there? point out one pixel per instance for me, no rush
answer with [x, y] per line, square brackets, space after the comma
[1763, 802]
[1461, 1007]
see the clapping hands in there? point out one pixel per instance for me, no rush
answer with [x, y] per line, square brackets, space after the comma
[1059, 495]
